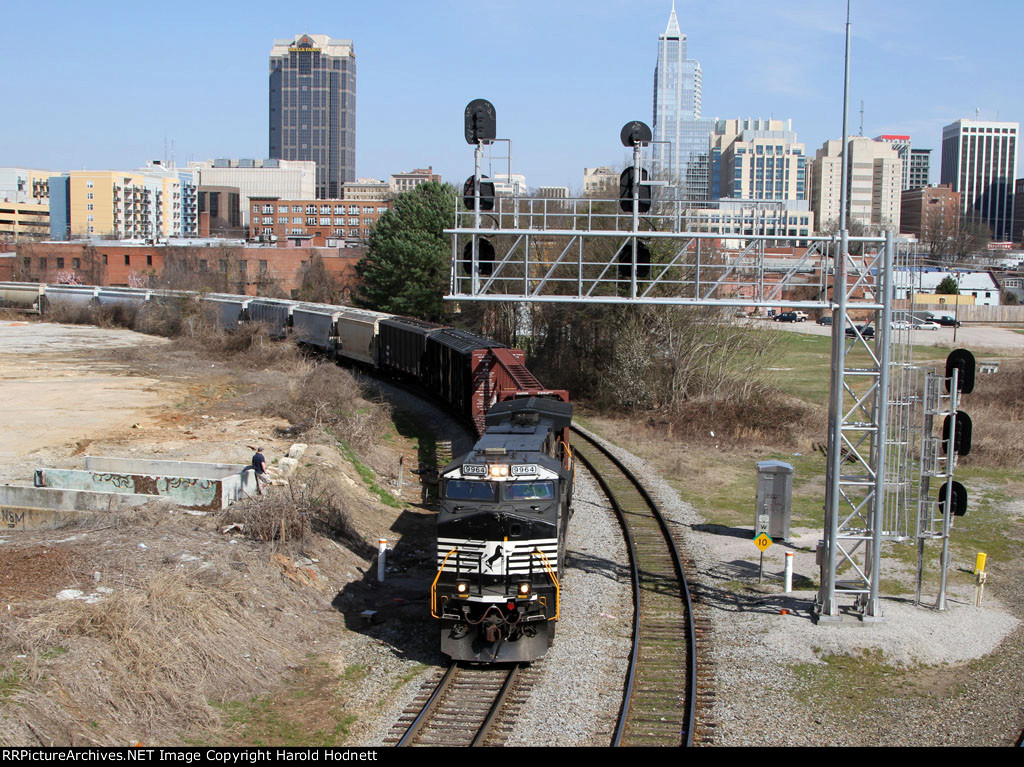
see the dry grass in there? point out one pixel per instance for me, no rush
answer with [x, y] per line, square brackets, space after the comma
[250, 346]
[769, 419]
[140, 665]
[329, 398]
[996, 408]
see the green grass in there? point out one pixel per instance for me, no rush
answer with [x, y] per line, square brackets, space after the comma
[368, 475]
[853, 684]
[309, 711]
[408, 676]
[356, 672]
[802, 364]
[10, 683]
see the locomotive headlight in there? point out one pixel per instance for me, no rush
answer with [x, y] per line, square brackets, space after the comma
[499, 470]
[523, 590]
[462, 588]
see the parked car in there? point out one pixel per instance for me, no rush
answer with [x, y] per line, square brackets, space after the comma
[926, 326]
[787, 317]
[826, 320]
[900, 325]
[866, 331]
[946, 321]
[800, 316]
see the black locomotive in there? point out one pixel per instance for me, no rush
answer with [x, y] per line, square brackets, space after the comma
[501, 532]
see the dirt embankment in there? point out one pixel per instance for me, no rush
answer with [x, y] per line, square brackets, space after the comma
[156, 627]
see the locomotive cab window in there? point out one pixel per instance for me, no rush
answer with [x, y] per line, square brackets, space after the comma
[463, 490]
[530, 491]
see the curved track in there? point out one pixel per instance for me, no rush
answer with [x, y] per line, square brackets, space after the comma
[660, 689]
[464, 707]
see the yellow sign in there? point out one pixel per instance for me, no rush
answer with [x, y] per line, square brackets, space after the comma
[763, 542]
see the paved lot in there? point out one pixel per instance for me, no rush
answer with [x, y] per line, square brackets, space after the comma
[976, 337]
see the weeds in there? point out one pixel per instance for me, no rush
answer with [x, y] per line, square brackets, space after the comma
[369, 476]
[310, 503]
[329, 398]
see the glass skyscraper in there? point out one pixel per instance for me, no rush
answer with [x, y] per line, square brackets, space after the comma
[684, 162]
[313, 107]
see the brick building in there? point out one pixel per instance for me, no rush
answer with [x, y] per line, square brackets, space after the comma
[313, 223]
[223, 267]
[929, 209]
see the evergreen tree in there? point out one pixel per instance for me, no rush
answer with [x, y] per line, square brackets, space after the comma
[406, 268]
[948, 287]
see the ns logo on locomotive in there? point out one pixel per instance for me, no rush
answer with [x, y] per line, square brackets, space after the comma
[501, 531]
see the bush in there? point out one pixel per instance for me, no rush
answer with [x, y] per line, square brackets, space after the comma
[329, 398]
[310, 503]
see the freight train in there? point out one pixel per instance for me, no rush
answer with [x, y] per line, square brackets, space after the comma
[505, 505]
[501, 533]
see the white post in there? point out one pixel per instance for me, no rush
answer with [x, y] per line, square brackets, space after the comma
[382, 557]
[789, 572]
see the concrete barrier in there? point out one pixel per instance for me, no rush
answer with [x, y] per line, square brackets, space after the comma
[191, 492]
[56, 499]
[20, 519]
[161, 468]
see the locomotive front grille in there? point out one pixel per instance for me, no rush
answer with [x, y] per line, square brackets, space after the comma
[495, 557]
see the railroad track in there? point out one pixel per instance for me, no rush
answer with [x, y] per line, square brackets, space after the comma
[661, 687]
[466, 707]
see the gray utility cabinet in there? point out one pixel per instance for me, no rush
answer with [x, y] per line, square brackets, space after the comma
[774, 499]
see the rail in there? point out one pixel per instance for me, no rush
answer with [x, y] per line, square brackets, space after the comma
[663, 607]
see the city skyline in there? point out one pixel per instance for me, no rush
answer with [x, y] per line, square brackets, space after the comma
[582, 69]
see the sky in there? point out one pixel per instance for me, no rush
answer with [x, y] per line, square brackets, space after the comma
[109, 85]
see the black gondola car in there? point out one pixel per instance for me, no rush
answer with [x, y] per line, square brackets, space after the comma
[402, 347]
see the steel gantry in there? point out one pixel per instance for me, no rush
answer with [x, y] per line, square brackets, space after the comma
[588, 251]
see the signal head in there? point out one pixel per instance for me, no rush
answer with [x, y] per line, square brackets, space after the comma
[635, 132]
[481, 121]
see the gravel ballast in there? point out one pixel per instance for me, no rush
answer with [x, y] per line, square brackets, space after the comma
[926, 677]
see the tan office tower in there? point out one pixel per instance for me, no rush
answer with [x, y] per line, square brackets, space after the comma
[875, 176]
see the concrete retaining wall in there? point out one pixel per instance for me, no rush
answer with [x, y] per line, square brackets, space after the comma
[14, 496]
[191, 492]
[34, 519]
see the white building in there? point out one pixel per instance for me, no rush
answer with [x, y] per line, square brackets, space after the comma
[553, 192]
[979, 160]
[757, 160]
[284, 179]
[980, 285]
[366, 189]
[509, 185]
[601, 182]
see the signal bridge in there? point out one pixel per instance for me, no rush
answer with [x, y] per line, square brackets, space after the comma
[637, 249]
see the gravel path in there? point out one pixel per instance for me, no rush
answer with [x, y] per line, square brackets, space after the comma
[925, 677]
